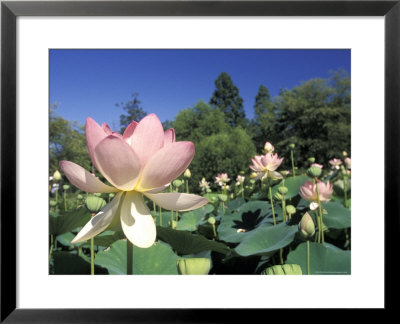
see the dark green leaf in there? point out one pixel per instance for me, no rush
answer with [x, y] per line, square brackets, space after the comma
[324, 259]
[266, 239]
[185, 242]
[157, 259]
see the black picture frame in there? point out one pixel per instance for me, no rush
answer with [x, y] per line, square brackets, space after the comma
[10, 10]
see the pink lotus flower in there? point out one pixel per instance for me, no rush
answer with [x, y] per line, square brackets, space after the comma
[142, 161]
[317, 165]
[239, 180]
[309, 192]
[335, 163]
[268, 147]
[222, 178]
[265, 166]
[347, 161]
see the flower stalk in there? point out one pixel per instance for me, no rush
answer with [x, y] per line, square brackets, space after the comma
[129, 257]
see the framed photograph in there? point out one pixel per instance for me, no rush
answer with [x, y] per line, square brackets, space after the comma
[289, 106]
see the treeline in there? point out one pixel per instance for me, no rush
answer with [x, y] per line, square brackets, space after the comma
[315, 116]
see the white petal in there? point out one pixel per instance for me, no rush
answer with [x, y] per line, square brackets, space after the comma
[313, 205]
[136, 220]
[177, 201]
[159, 189]
[100, 221]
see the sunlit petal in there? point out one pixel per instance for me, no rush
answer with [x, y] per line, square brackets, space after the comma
[117, 162]
[136, 221]
[100, 221]
[177, 201]
[148, 138]
[83, 179]
[166, 165]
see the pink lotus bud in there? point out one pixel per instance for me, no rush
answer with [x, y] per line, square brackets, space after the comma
[347, 161]
[335, 163]
[317, 165]
[268, 147]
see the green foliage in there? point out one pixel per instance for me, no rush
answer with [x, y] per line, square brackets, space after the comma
[325, 259]
[263, 125]
[158, 259]
[224, 152]
[315, 116]
[133, 112]
[193, 124]
[226, 98]
[66, 142]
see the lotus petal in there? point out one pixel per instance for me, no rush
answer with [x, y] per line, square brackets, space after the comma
[137, 221]
[117, 162]
[100, 221]
[177, 201]
[83, 179]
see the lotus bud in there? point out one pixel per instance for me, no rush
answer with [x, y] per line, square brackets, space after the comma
[57, 176]
[111, 195]
[285, 269]
[278, 196]
[52, 203]
[306, 226]
[211, 220]
[314, 171]
[173, 224]
[344, 153]
[283, 190]
[292, 146]
[194, 266]
[311, 159]
[187, 173]
[95, 204]
[177, 183]
[66, 187]
[79, 197]
[268, 147]
[290, 209]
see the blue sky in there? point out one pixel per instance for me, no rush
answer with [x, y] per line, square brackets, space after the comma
[90, 82]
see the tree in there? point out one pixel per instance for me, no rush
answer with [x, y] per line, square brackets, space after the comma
[195, 123]
[226, 98]
[229, 152]
[264, 118]
[66, 142]
[134, 111]
[316, 117]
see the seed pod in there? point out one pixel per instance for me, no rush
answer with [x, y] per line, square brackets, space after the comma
[211, 220]
[290, 209]
[95, 204]
[66, 187]
[292, 146]
[311, 159]
[285, 269]
[177, 183]
[194, 266]
[283, 190]
[314, 171]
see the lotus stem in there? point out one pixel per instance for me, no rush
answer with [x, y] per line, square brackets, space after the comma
[129, 257]
[92, 253]
[345, 191]
[272, 203]
[291, 156]
[320, 214]
[308, 257]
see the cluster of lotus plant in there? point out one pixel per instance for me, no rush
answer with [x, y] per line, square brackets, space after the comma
[137, 216]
